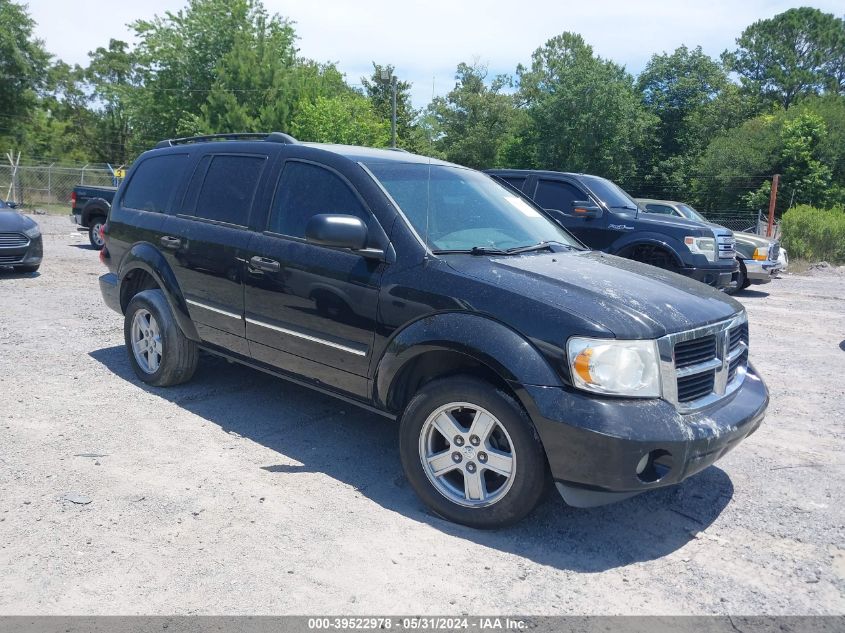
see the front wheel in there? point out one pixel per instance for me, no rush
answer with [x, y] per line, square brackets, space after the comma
[471, 453]
[741, 281]
[158, 351]
[95, 232]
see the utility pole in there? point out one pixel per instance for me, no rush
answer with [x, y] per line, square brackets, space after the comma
[773, 198]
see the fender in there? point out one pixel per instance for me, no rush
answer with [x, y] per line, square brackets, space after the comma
[95, 206]
[657, 239]
[489, 342]
[146, 257]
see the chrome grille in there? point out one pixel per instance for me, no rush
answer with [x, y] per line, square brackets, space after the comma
[701, 366]
[726, 245]
[13, 240]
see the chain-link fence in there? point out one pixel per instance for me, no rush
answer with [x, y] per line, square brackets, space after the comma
[750, 222]
[40, 184]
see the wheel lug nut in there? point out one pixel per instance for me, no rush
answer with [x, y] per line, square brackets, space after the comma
[456, 457]
[482, 457]
[459, 441]
[471, 467]
[474, 440]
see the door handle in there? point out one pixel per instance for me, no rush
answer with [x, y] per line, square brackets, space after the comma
[170, 242]
[265, 264]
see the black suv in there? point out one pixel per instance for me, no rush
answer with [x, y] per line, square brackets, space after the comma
[434, 295]
[604, 217]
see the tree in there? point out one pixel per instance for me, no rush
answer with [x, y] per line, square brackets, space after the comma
[348, 118]
[23, 68]
[380, 93]
[112, 76]
[586, 111]
[474, 119]
[797, 52]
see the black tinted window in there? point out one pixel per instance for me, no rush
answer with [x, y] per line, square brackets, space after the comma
[307, 190]
[154, 182]
[229, 187]
[552, 194]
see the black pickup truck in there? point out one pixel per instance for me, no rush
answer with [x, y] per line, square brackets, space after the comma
[89, 208]
[437, 297]
[604, 217]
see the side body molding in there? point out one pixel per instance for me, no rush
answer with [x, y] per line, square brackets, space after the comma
[146, 257]
[480, 338]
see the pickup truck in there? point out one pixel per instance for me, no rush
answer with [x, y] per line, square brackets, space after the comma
[604, 217]
[89, 208]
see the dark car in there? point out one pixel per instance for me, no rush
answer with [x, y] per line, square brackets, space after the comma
[89, 208]
[20, 241]
[435, 296]
[603, 216]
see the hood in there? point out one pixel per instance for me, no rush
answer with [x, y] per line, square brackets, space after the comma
[630, 299]
[699, 229]
[752, 240]
[14, 222]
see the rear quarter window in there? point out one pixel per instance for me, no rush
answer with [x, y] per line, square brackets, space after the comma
[154, 182]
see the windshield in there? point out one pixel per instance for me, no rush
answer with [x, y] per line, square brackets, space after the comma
[610, 193]
[459, 209]
[690, 213]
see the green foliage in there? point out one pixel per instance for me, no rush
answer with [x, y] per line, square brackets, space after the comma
[23, 68]
[798, 52]
[473, 121]
[349, 119]
[380, 94]
[586, 111]
[815, 234]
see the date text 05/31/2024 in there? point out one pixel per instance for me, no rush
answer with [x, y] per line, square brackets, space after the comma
[418, 623]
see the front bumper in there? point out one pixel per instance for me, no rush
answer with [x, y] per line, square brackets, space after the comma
[761, 272]
[716, 276]
[594, 445]
[31, 253]
[110, 289]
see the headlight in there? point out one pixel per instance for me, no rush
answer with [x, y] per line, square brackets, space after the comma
[33, 232]
[761, 254]
[619, 368]
[702, 246]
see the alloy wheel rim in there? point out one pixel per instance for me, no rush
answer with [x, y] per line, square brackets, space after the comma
[98, 240]
[146, 341]
[467, 454]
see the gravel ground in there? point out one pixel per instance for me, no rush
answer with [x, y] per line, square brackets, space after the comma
[240, 493]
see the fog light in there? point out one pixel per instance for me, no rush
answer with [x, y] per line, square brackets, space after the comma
[641, 466]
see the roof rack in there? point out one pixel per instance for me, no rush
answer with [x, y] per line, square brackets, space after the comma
[272, 137]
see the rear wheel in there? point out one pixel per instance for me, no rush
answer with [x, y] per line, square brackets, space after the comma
[94, 231]
[158, 351]
[471, 453]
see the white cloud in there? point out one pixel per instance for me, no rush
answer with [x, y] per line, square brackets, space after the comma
[426, 40]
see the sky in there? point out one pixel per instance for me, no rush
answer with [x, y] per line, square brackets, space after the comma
[425, 41]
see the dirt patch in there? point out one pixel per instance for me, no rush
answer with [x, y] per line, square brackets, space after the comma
[239, 493]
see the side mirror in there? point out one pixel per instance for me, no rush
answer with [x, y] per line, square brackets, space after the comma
[337, 231]
[12, 205]
[586, 209]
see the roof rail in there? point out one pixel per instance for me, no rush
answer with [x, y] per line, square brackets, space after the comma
[272, 137]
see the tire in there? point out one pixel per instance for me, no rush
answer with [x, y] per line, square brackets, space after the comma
[742, 281]
[158, 351]
[654, 256]
[27, 269]
[469, 400]
[94, 227]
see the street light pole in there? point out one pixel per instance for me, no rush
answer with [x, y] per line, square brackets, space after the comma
[388, 76]
[393, 118]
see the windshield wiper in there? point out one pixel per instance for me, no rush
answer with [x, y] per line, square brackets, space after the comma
[475, 250]
[619, 206]
[537, 247]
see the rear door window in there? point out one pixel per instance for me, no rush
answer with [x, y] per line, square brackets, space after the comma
[228, 188]
[306, 190]
[554, 194]
[154, 182]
